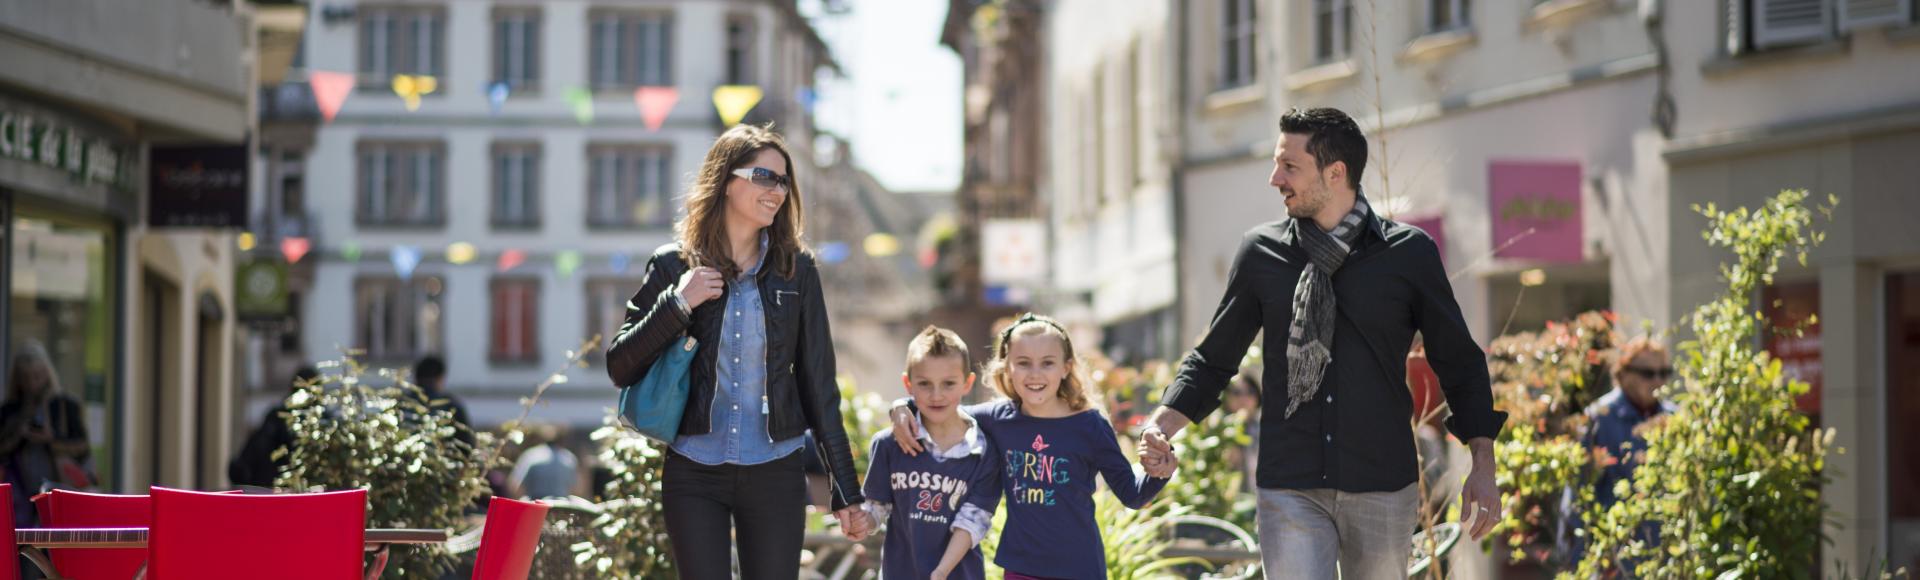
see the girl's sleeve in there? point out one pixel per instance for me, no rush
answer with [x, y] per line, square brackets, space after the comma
[1132, 486]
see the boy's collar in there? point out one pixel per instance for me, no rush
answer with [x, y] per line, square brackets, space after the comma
[972, 443]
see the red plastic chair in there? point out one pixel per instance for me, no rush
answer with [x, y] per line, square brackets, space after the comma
[213, 536]
[72, 509]
[40, 507]
[511, 537]
[9, 569]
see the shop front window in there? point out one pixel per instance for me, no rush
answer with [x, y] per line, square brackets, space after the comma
[61, 298]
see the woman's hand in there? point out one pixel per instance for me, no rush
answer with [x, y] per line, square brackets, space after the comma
[699, 285]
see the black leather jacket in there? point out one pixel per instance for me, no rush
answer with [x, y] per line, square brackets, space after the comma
[801, 391]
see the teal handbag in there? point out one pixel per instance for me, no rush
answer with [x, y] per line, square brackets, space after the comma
[654, 406]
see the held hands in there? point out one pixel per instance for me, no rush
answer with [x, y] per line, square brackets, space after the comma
[699, 285]
[1156, 454]
[856, 523]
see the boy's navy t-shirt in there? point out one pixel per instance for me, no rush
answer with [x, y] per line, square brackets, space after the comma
[927, 494]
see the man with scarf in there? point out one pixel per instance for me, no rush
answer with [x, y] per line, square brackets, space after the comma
[1341, 291]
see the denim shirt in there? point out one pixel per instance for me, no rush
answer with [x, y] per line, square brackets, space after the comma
[739, 433]
[1613, 420]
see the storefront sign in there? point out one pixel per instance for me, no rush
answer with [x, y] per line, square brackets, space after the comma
[201, 186]
[51, 265]
[1014, 251]
[1536, 210]
[1793, 311]
[261, 286]
[47, 141]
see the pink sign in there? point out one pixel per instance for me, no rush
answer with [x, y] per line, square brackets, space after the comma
[1435, 227]
[1536, 210]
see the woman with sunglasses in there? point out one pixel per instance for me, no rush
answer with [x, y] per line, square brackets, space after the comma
[740, 283]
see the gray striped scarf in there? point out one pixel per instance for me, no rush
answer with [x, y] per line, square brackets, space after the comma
[1311, 333]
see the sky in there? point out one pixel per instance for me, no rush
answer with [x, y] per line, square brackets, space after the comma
[899, 103]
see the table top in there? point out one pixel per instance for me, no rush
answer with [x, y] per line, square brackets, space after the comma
[137, 537]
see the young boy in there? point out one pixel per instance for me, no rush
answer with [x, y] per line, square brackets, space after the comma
[937, 505]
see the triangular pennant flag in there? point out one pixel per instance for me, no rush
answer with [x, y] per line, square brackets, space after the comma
[405, 259]
[734, 101]
[618, 262]
[511, 259]
[582, 101]
[350, 252]
[497, 93]
[412, 87]
[566, 262]
[330, 90]
[295, 248]
[460, 253]
[654, 104]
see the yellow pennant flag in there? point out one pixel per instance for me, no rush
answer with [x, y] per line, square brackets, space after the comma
[733, 102]
[412, 87]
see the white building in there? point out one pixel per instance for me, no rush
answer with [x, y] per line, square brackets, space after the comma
[1109, 182]
[529, 178]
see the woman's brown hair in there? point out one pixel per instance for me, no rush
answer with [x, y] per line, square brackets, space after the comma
[702, 233]
[1073, 388]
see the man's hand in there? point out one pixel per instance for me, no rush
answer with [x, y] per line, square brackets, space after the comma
[1479, 497]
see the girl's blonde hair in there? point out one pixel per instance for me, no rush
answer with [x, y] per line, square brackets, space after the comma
[1073, 387]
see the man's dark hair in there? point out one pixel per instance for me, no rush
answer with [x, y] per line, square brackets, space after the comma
[428, 372]
[1331, 136]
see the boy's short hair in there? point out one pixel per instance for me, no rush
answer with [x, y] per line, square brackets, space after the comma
[937, 342]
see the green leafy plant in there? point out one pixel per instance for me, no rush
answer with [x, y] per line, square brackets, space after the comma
[862, 414]
[1544, 380]
[1732, 477]
[386, 439]
[632, 524]
[360, 428]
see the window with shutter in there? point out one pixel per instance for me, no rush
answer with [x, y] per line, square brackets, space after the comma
[1863, 14]
[515, 320]
[1787, 22]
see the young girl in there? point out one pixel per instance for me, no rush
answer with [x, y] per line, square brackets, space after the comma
[939, 505]
[1052, 443]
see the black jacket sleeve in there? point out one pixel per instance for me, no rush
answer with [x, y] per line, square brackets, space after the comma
[654, 319]
[814, 370]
